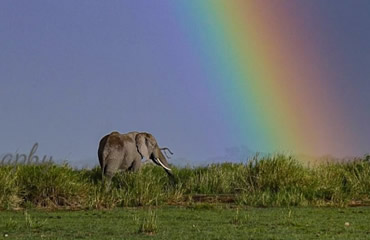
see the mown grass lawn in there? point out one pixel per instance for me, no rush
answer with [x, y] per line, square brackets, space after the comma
[197, 221]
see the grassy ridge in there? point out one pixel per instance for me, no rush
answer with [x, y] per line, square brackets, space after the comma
[269, 181]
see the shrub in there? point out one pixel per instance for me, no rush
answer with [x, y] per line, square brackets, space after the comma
[277, 180]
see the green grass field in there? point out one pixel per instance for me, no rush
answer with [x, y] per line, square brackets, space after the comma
[198, 221]
[274, 197]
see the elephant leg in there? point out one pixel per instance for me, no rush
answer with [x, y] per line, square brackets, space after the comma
[112, 165]
[110, 170]
[109, 173]
[107, 177]
[136, 164]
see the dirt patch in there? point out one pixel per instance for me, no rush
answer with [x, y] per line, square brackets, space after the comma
[210, 198]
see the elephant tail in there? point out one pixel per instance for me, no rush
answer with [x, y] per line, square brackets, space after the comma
[103, 164]
[103, 172]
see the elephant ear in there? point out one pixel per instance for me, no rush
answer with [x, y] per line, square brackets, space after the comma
[143, 145]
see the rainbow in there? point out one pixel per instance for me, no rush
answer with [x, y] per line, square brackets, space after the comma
[267, 73]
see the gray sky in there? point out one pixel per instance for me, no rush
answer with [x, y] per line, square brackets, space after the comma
[73, 71]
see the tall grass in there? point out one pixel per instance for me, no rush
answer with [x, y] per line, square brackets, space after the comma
[268, 181]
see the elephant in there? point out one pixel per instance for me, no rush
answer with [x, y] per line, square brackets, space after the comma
[125, 151]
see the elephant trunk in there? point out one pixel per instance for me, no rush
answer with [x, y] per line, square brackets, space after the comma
[161, 160]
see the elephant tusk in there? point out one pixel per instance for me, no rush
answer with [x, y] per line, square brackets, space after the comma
[163, 165]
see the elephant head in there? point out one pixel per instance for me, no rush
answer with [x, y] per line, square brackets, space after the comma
[148, 148]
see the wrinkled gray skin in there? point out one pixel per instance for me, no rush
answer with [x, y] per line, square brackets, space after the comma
[125, 151]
